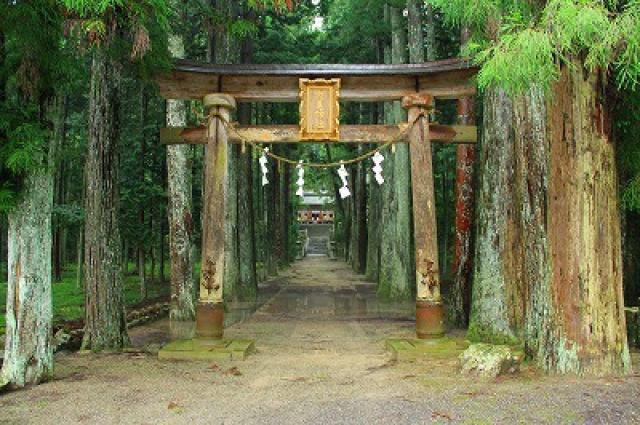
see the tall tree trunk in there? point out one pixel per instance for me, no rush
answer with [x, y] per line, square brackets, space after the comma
[284, 213]
[79, 256]
[373, 230]
[3, 249]
[278, 171]
[28, 352]
[416, 40]
[360, 217]
[578, 309]
[226, 50]
[461, 267]
[152, 250]
[270, 191]
[548, 257]
[58, 199]
[247, 280]
[142, 278]
[430, 32]
[179, 172]
[105, 324]
[497, 311]
[460, 294]
[396, 280]
[60, 189]
[374, 210]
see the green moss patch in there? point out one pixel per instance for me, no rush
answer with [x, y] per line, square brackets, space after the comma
[413, 349]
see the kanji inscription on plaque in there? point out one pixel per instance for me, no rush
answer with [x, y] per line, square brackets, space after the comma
[319, 109]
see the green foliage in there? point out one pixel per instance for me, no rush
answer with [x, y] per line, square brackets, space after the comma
[23, 148]
[535, 52]
[627, 128]
[87, 8]
[68, 299]
[68, 214]
[528, 44]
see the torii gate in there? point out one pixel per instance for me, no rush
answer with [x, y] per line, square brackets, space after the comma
[318, 88]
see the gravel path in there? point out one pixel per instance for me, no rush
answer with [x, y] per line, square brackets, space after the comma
[320, 360]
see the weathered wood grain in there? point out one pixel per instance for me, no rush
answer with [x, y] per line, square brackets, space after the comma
[348, 134]
[279, 83]
[424, 208]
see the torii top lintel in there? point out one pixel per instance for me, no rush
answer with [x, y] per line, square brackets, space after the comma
[450, 78]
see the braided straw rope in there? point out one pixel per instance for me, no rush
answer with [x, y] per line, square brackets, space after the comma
[334, 164]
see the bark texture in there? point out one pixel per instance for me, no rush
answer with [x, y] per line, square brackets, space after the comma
[226, 50]
[247, 280]
[581, 314]
[28, 350]
[105, 324]
[497, 311]
[28, 355]
[396, 261]
[548, 265]
[179, 157]
[359, 224]
[460, 298]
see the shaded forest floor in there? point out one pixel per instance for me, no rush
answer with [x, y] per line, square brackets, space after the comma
[68, 297]
[320, 359]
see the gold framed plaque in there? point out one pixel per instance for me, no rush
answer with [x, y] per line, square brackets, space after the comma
[319, 109]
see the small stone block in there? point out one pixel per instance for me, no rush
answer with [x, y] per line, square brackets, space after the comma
[241, 348]
[204, 349]
[411, 349]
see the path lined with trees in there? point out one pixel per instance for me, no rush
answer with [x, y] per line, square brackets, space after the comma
[537, 236]
[320, 360]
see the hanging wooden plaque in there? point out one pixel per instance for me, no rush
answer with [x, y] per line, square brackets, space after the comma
[319, 109]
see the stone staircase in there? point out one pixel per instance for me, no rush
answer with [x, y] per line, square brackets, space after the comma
[318, 245]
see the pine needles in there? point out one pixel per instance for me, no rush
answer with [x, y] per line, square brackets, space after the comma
[528, 44]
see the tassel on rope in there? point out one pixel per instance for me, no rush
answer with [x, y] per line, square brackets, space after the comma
[377, 168]
[263, 166]
[343, 174]
[300, 182]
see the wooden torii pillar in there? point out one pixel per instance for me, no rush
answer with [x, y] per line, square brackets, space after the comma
[210, 308]
[429, 310]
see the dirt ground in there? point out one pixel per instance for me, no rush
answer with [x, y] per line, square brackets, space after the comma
[320, 360]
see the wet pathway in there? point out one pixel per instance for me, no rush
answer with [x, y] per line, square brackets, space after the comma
[320, 360]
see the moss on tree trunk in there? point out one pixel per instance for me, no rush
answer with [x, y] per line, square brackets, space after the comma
[28, 350]
[548, 265]
[179, 182]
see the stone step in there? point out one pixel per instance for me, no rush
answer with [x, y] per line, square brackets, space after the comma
[318, 245]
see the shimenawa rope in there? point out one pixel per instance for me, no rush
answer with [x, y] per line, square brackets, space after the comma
[334, 164]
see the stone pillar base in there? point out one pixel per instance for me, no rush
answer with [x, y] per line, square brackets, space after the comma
[210, 320]
[429, 319]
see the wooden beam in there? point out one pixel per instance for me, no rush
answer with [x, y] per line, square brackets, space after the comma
[348, 134]
[324, 70]
[279, 83]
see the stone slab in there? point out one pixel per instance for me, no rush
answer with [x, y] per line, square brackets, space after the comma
[205, 350]
[411, 349]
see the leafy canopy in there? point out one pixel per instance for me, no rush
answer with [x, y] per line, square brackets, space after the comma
[518, 44]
